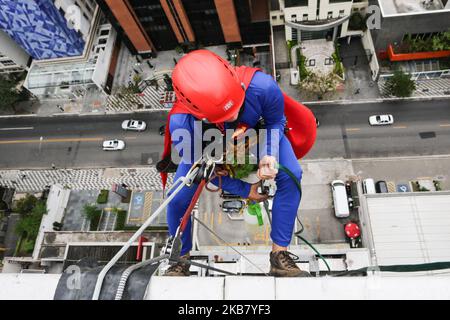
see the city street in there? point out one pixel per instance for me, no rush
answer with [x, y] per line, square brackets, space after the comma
[420, 128]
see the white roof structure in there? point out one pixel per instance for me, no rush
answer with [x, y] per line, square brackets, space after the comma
[401, 7]
[43, 286]
[410, 228]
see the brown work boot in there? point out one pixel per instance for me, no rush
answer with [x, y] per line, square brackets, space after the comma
[283, 265]
[180, 269]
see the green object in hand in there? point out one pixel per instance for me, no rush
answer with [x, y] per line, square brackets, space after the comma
[255, 210]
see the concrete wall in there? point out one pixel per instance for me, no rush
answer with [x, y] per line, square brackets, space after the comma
[395, 27]
[13, 51]
[367, 43]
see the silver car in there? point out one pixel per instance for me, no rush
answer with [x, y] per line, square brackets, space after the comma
[113, 145]
[134, 125]
[381, 120]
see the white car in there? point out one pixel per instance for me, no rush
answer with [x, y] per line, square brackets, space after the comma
[113, 145]
[134, 125]
[381, 120]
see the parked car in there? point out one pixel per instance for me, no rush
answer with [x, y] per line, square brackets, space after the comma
[381, 187]
[348, 188]
[232, 205]
[369, 186]
[340, 199]
[134, 125]
[381, 120]
[113, 145]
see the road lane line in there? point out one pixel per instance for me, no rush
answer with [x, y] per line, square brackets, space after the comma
[353, 129]
[400, 127]
[50, 140]
[445, 125]
[18, 128]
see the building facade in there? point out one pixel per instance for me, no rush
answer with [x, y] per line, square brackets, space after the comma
[148, 26]
[12, 57]
[315, 19]
[40, 29]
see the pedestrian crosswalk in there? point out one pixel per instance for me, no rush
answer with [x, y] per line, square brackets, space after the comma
[424, 88]
[81, 179]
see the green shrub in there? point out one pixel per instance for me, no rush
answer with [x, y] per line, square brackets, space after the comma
[93, 214]
[103, 197]
[400, 84]
[302, 66]
[25, 205]
[338, 68]
[121, 219]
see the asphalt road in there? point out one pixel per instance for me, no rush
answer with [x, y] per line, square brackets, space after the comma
[76, 142]
[421, 128]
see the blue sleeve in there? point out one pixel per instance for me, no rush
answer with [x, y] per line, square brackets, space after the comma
[272, 102]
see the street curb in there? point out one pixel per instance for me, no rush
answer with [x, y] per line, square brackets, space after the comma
[430, 157]
[379, 100]
[311, 103]
[19, 116]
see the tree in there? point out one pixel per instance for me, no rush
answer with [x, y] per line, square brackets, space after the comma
[29, 224]
[400, 84]
[319, 83]
[93, 214]
[357, 22]
[25, 205]
[9, 93]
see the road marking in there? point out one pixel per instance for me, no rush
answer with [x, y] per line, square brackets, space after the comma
[130, 138]
[424, 178]
[445, 125]
[20, 128]
[353, 129]
[51, 140]
[399, 127]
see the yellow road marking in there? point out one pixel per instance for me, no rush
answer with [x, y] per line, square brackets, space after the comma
[56, 140]
[353, 129]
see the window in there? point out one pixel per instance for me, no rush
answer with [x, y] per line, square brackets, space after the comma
[311, 62]
[274, 17]
[104, 32]
[282, 17]
[294, 17]
[305, 17]
[330, 14]
[341, 13]
[8, 63]
[328, 61]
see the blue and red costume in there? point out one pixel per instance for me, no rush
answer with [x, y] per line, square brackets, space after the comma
[263, 99]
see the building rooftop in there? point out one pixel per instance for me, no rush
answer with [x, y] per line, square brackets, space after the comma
[411, 228]
[396, 7]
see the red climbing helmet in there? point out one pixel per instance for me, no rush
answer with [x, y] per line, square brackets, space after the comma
[208, 86]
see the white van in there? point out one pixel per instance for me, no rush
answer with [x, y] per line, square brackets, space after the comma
[369, 186]
[340, 199]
